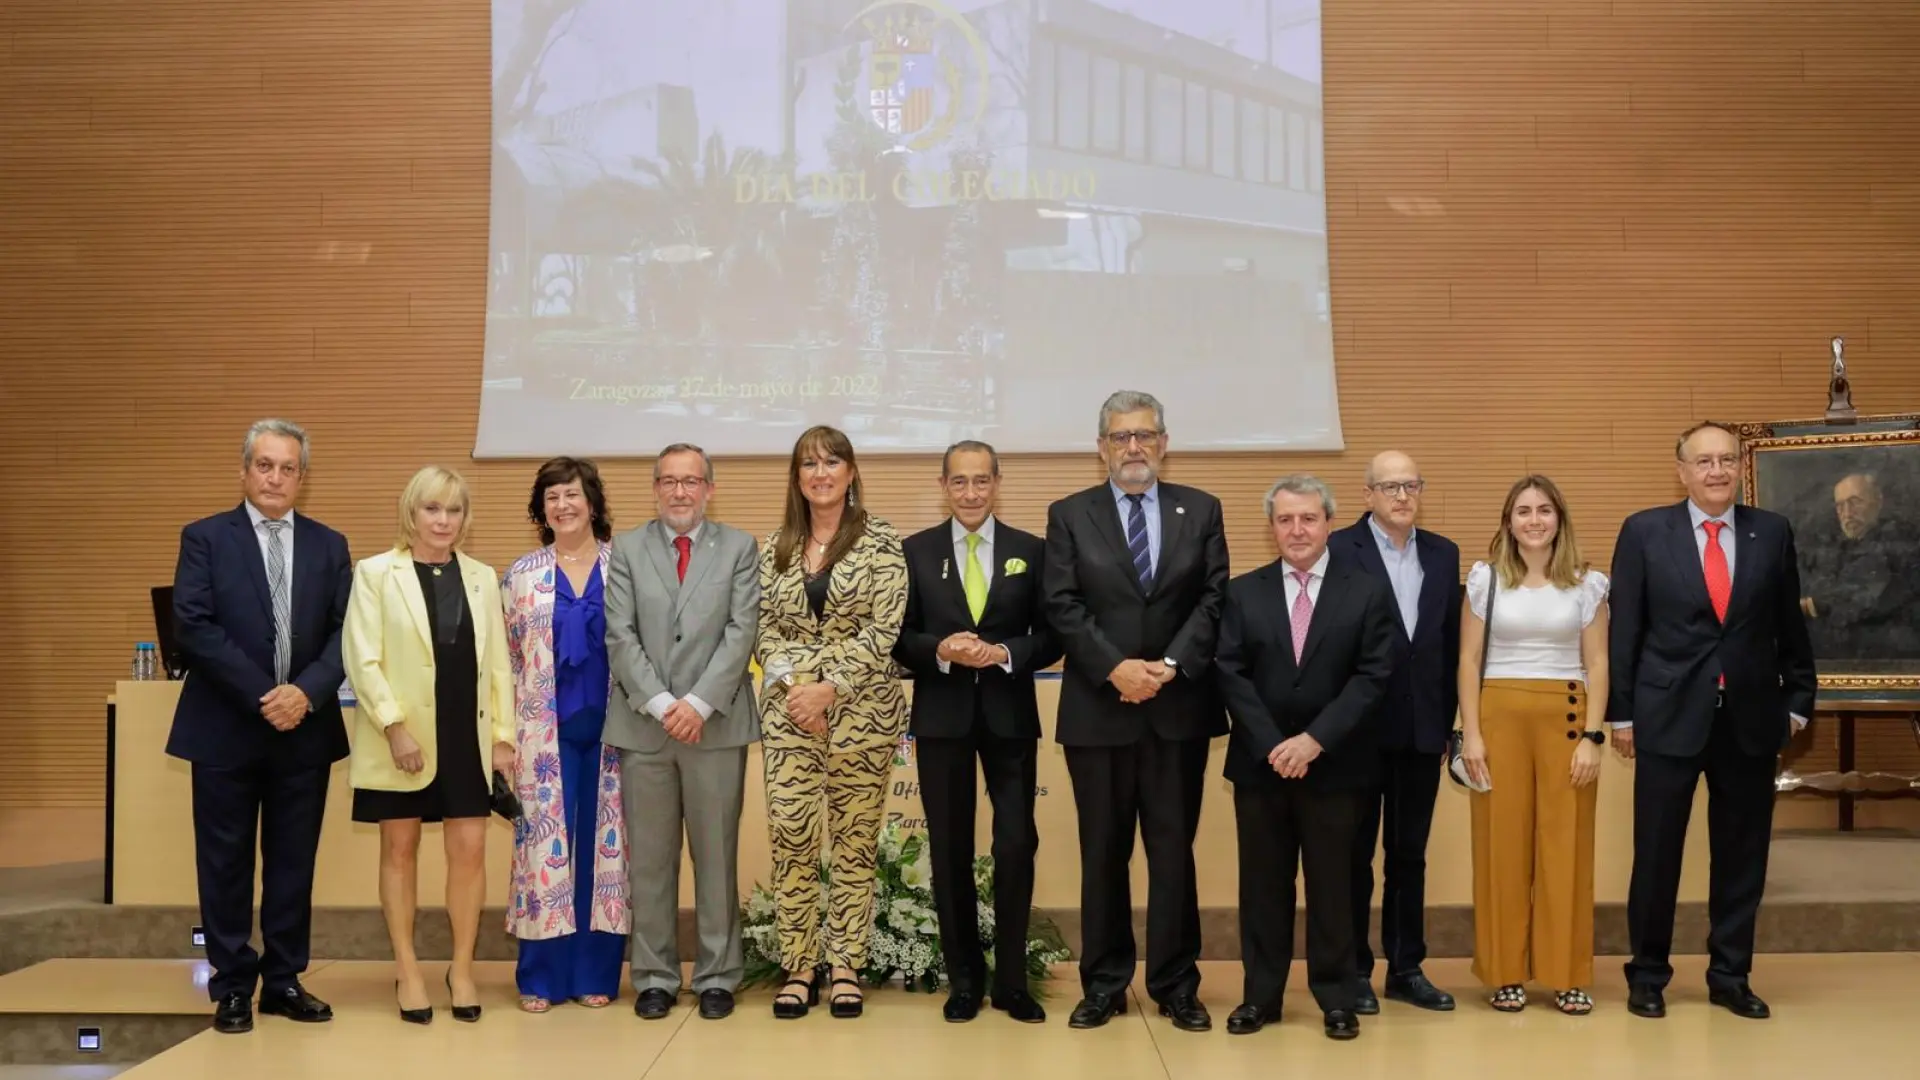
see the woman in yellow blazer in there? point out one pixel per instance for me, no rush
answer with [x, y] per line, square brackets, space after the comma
[833, 591]
[425, 644]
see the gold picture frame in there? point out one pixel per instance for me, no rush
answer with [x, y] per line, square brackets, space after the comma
[1851, 490]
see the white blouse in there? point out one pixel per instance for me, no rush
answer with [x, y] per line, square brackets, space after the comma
[1536, 631]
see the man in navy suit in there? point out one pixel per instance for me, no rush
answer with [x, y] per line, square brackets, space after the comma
[1711, 672]
[258, 600]
[1423, 570]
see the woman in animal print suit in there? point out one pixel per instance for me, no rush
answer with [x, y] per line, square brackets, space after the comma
[833, 591]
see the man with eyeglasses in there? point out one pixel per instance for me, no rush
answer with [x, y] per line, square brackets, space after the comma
[974, 633]
[683, 605]
[1712, 671]
[1423, 569]
[1135, 580]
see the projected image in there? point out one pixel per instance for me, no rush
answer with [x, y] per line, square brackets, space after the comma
[916, 220]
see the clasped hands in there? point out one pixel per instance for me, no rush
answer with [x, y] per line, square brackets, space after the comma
[1291, 758]
[285, 706]
[1139, 680]
[807, 705]
[683, 722]
[966, 649]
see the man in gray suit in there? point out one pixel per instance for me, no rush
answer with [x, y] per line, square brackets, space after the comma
[682, 602]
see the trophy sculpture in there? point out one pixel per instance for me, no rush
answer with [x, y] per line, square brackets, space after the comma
[1839, 391]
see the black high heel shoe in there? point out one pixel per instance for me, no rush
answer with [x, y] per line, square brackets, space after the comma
[791, 1006]
[466, 1014]
[845, 1006]
[412, 1016]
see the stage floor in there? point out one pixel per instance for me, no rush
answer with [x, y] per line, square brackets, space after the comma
[1828, 1008]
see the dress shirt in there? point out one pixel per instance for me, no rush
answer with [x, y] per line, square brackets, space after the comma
[1404, 572]
[1317, 573]
[661, 702]
[985, 554]
[1149, 505]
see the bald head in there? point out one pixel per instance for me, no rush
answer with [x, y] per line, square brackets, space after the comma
[1857, 502]
[1393, 492]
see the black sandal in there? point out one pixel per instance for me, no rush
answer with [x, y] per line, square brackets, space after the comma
[790, 1006]
[1574, 1002]
[1510, 998]
[847, 1006]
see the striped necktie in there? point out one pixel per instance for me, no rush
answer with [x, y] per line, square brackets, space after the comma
[282, 601]
[1137, 543]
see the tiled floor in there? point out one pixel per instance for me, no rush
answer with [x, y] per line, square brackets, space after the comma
[1861, 1000]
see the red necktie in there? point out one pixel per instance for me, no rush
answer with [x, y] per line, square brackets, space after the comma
[1719, 581]
[684, 545]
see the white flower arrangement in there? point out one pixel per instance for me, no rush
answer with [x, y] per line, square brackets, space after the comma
[906, 928]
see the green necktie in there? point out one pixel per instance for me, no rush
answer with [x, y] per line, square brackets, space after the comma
[973, 579]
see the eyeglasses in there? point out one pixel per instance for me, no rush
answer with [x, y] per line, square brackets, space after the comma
[1120, 439]
[1394, 489]
[671, 484]
[1729, 462]
[977, 483]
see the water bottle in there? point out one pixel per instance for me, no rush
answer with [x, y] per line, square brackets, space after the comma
[143, 662]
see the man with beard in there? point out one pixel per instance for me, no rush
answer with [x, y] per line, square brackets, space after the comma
[1861, 591]
[683, 605]
[1135, 578]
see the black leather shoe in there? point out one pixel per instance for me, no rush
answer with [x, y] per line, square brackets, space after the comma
[1020, 1005]
[1250, 1018]
[294, 1003]
[1342, 1025]
[1646, 1001]
[716, 1004]
[413, 1016]
[1096, 1009]
[653, 1004]
[1187, 1013]
[466, 1014]
[1364, 1001]
[1414, 989]
[961, 1006]
[1740, 1001]
[233, 1014]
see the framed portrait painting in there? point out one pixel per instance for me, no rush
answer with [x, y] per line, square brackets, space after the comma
[1852, 493]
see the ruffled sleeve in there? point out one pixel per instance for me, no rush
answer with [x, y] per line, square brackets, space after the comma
[1478, 578]
[1593, 593]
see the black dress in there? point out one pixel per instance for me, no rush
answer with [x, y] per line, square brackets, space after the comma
[462, 784]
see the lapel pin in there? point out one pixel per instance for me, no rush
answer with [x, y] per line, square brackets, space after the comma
[944, 563]
[1179, 509]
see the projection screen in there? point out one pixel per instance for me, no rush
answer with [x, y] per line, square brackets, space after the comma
[916, 220]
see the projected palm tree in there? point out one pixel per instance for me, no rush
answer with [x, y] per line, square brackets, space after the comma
[712, 262]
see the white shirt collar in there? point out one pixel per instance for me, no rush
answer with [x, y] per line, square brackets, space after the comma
[1319, 568]
[256, 517]
[692, 534]
[1698, 515]
[985, 531]
[1385, 540]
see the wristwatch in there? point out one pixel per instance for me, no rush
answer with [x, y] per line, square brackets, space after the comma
[1596, 736]
[1172, 664]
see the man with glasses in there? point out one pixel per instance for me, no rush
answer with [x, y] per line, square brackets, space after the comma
[1423, 569]
[1135, 579]
[975, 631]
[683, 601]
[1712, 672]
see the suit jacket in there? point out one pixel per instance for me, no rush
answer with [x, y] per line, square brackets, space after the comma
[1667, 651]
[1333, 693]
[1100, 612]
[945, 704]
[223, 618]
[665, 636]
[544, 863]
[388, 648]
[1424, 693]
[850, 646]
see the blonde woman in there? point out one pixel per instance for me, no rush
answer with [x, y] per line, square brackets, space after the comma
[425, 646]
[833, 592]
[1533, 732]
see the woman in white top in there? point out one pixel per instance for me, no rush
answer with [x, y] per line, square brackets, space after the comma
[1533, 732]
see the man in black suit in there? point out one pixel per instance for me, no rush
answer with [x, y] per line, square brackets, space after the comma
[1712, 672]
[1306, 651]
[1136, 573]
[1422, 568]
[974, 633]
[259, 596]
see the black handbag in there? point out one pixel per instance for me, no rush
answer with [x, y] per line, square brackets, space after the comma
[1456, 742]
[505, 802]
